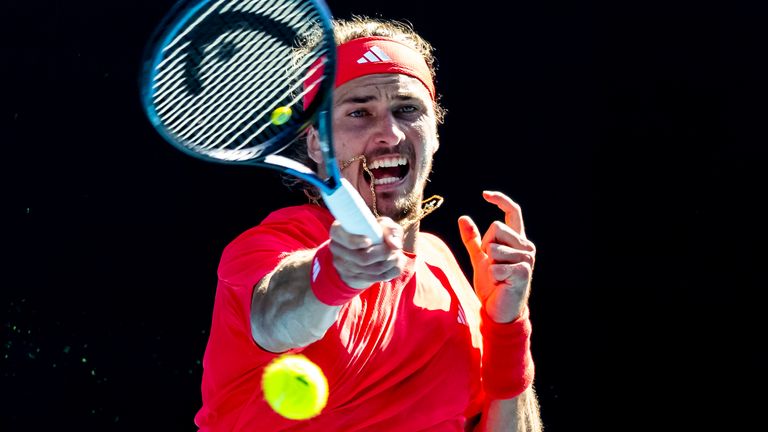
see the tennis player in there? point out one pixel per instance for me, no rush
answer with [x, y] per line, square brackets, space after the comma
[406, 341]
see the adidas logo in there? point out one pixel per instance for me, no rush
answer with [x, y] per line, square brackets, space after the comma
[373, 55]
[315, 269]
[461, 318]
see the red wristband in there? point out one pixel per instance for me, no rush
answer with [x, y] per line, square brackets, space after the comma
[507, 363]
[326, 283]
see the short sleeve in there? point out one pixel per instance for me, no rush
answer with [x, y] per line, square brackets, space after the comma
[232, 361]
[256, 252]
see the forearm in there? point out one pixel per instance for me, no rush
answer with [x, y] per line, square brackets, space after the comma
[508, 371]
[285, 313]
[519, 414]
[288, 310]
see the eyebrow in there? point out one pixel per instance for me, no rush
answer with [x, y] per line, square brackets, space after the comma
[365, 99]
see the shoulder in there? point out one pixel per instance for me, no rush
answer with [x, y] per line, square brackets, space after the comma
[434, 249]
[288, 228]
[436, 253]
[299, 215]
[308, 224]
[257, 250]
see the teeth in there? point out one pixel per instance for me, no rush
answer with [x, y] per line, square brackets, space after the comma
[388, 162]
[386, 180]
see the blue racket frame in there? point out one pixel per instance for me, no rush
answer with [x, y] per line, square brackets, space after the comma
[318, 112]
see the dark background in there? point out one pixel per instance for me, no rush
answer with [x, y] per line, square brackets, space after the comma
[632, 135]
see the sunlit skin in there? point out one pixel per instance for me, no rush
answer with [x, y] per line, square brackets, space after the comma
[381, 116]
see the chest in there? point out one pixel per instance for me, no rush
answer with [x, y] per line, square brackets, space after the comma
[397, 329]
[399, 317]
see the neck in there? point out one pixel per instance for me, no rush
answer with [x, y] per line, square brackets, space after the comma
[409, 238]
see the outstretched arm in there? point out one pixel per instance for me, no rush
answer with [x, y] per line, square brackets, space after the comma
[285, 311]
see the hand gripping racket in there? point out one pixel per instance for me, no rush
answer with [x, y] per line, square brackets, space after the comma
[222, 82]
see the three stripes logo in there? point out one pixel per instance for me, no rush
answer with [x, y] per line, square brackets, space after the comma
[461, 318]
[373, 55]
[315, 269]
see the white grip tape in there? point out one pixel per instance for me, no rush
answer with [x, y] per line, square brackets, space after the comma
[348, 207]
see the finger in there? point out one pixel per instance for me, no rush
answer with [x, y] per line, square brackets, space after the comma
[504, 234]
[511, 273]
[470, 235]
[503, 254]
[355, 274]
[374, 268]
[366, 280]
[513, 215]
[362, 252]
[346, 239]
[392, 233]
[364, 256]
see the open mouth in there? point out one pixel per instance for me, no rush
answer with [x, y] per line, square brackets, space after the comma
[387, 170]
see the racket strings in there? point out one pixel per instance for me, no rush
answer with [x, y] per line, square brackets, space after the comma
[247, 72]
[231, 102]
[251, 126]
[173, 102]
[295, 98]
[226, 100]
[427, 206]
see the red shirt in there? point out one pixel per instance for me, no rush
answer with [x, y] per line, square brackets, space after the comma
[404, 356]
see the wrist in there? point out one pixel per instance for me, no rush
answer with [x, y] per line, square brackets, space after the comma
[508, 367]
[326, 283]
[504, 315]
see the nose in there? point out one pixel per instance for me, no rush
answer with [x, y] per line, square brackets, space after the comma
[387, 131]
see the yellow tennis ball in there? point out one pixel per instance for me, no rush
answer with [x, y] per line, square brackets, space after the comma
[295, 387]
[281, 115]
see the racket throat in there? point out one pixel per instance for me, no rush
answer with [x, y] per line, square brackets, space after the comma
[332, 183]
[325, 131]
[349, 208]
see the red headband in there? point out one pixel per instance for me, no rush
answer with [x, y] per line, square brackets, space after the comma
[374, 55]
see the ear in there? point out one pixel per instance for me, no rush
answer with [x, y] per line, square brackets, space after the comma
[436, 145]
[436, 140]
[313, 146]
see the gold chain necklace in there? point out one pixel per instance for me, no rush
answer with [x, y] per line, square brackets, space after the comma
[427, 206]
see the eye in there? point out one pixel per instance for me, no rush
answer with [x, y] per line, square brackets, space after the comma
[406, 109]
[358, 113]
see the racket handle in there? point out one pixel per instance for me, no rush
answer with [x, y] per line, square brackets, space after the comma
[348, 207]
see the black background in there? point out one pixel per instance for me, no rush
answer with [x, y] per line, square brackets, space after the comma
[632, 135]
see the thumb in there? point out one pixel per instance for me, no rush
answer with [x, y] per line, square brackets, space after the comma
[470, 235]
[392, 232]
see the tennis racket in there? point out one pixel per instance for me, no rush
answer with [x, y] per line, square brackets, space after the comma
[222, 82]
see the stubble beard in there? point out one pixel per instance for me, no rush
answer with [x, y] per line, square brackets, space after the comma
[407, 209]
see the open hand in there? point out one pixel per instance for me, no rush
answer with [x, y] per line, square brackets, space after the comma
[502, 260]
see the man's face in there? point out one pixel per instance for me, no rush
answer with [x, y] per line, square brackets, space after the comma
[390, 119]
